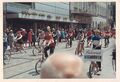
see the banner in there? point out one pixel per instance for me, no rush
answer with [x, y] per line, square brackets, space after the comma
[93, 55]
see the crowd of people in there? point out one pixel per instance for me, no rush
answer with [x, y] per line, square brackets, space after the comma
[50, 37]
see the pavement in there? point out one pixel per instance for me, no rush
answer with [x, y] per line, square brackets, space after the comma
[22, 65]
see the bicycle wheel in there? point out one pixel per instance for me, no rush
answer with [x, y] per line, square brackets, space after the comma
[38, 66]
[6, 59]
[90, 72]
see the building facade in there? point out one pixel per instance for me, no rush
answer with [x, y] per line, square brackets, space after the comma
[91, 14]
[37, 15]
[58, 14]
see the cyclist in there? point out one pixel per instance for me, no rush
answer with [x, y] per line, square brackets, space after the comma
[80, 46]
[19, 42]
[96, 41]
[89, 35]
[40, 37]
[70, 36]
[107, 35]
[48, 42]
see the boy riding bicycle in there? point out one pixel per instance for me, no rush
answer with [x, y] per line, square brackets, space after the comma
[96, 41]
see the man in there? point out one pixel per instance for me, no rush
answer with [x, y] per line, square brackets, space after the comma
[48, 42]
[11, 39]
[63, 65]
[107, 36]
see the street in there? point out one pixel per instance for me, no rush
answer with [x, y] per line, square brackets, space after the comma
[22, 65]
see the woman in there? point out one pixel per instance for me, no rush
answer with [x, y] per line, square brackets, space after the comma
[33, 38]
[48, 42]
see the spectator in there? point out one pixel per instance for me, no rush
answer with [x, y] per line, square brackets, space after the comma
[63, 65]
[33, 38]
[62, 34]
[5, 43]
[30, 37]
[24, 34]
[11, 39]
[58, 35]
